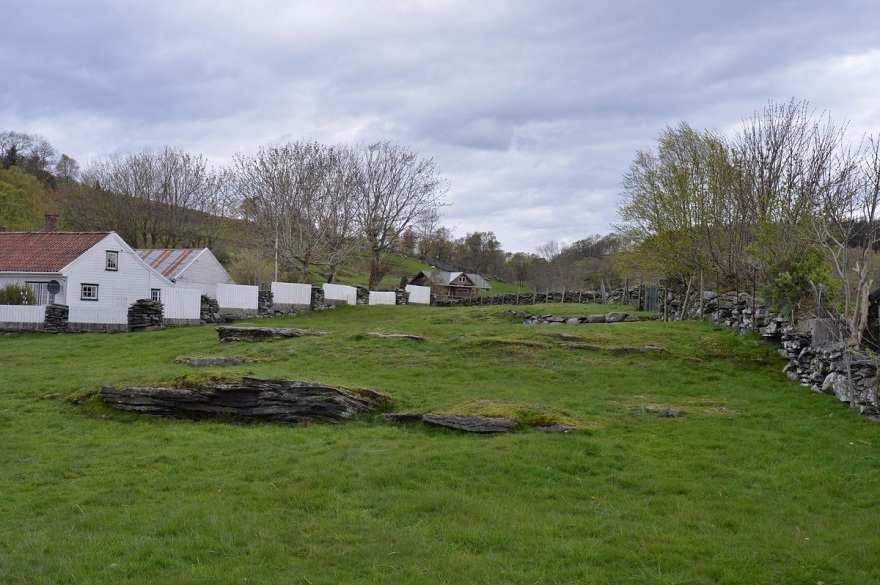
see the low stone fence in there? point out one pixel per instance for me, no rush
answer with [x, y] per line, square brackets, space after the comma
[815, 359]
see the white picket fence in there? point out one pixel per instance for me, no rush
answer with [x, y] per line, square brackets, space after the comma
[181, 303]
[237, 296]
[340, 292]
[419, 295]
[382, 298]
[291, 293]
[22, 313]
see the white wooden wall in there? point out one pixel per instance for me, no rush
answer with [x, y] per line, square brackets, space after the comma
[109, 314]
[22, 313]
[181, 303]
[382, 298]
[340, 292]
[419, 295]
[291, 293]
[237, 296]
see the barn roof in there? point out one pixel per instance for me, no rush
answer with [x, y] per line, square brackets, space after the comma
[44, 251]
[171, 263]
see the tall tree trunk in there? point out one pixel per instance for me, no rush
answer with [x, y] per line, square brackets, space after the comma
[375, 268]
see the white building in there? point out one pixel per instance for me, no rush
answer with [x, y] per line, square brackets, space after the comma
[96, 274]
[189, 268]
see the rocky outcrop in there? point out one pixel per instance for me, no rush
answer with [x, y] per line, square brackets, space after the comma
[228, 334]
[409, 336]
[466, 423]
[249, 399]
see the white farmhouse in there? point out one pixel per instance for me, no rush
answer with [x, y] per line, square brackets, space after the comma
[96, 274]
[189, 268]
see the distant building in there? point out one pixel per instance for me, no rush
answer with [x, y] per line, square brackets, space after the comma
[189, 268]
[446, 283]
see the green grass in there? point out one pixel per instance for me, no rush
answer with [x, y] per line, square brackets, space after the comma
[761, 481]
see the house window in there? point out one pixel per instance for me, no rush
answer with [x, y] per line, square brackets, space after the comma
[112, 261]
[88, 292]
[156, 294]
[41, 291]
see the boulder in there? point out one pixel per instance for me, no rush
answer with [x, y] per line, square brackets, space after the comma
[596, 319]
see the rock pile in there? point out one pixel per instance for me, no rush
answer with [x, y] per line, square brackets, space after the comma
[318, 303]
[401, 296]
[210, 312]
[264, 302]
[56, 318]
[143, 314]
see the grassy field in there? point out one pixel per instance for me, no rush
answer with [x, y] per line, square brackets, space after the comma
[760, 481]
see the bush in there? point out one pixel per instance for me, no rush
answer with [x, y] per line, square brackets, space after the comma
[17, 294]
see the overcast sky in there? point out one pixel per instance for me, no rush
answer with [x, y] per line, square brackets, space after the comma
[532, 110]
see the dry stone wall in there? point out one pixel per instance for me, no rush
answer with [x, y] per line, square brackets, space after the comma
[815, 359]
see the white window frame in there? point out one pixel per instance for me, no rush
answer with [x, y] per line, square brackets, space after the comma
[82, 291]
[111, 265]
[156, 294]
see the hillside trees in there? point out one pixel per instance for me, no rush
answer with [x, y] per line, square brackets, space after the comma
[153, 198]
[22, 200]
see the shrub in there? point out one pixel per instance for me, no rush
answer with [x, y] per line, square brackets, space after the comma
[17, 294]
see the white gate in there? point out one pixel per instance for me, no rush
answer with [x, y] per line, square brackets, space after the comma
[237, 296]
[291, 293]
[181, 303]
[382, 298]
[419, 295]
[340, 292]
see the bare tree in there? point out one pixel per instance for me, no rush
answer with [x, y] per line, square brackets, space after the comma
[337, 211]
[395, 188]
[280, 190]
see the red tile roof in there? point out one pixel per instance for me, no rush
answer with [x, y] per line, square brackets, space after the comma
[43, 251]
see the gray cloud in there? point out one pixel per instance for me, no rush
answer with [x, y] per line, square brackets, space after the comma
[533, 110]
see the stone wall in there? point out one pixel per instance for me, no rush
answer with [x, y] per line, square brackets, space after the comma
[815, 359]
